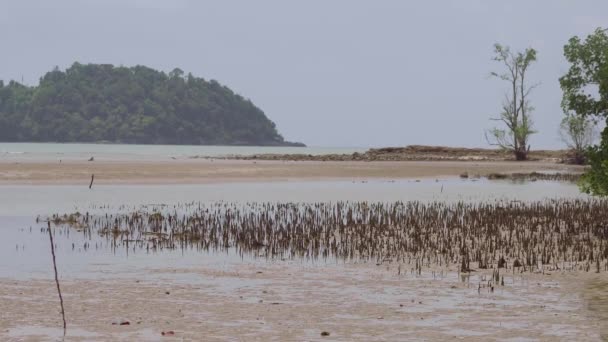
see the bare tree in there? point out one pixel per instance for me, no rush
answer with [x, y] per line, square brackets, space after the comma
[516, 108]
[578, 133]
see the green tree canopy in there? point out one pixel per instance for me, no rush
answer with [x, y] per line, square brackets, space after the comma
[104, 103]
[585, 88]
[585, 85]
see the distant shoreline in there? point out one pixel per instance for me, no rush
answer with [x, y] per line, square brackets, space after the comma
[415, 153]
[285, 144]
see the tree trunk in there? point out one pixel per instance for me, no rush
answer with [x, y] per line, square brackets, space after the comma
[521, 154]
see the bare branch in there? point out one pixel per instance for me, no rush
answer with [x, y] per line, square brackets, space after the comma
[516, 106]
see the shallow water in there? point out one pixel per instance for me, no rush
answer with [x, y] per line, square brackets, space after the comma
[32, 200]
[52, 151]
[24, 248]
[25, 254]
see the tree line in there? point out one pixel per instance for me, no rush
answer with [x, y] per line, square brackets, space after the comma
[584, 104]
[105, 103]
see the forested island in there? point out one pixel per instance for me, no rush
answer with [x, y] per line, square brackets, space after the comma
[105, 103]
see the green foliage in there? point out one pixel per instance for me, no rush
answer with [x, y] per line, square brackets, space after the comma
[516, 108]
[595, 180]
[589, 69]
[585, 88]
[578, 133]
[104, 103]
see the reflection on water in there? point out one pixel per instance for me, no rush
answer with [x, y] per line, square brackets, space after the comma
[23, 200]
[25, 253]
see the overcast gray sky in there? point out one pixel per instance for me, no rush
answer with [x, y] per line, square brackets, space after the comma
[329, 73]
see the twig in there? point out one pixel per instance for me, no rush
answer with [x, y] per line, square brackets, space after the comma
[57, 277]
[92, 178]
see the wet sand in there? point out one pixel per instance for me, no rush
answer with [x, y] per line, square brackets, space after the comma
[286, 301]
[192, 171]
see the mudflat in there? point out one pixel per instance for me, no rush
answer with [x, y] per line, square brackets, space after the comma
[191, 171]
[287, 301]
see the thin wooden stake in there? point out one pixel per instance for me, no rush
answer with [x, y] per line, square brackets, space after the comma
[92, 178]
[57, 277]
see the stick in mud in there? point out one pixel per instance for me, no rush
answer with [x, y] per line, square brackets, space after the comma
[92, 178]
[56, 276]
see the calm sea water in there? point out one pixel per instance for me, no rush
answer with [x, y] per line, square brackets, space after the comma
[50, 151]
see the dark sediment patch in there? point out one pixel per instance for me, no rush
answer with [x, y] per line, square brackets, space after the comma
[534, 176]
[411, 153]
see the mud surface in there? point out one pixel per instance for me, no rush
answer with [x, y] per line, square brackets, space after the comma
[297, 301]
